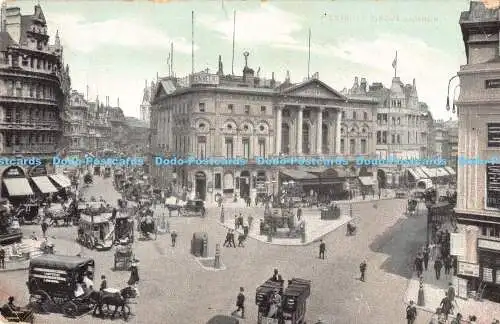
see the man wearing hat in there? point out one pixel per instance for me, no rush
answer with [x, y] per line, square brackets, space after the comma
[275, 304]
[134, 275]
[240, 303]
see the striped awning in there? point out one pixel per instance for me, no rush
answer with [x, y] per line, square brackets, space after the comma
[43, 183]
[414, 173]
[17, 187]
[450, 170]
[61, 180]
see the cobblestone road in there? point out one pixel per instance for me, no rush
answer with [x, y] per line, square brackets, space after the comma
[175, 289]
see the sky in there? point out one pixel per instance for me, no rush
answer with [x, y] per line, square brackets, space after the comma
[114, 46]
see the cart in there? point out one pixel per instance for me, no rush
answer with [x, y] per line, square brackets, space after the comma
[194, 208]
[124, 228]
[96, 231]
[123, 257]
[52, 281]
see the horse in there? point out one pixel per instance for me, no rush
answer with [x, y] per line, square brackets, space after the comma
[119, 299]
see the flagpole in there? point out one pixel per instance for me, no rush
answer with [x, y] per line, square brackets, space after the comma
[234, 35]
[192, 42]
[396, 65]
[309, 56]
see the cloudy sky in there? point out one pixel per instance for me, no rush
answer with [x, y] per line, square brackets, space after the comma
[113, 47]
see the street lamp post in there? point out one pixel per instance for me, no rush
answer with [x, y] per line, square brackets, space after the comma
[448, 95]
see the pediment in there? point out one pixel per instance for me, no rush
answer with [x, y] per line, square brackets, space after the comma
[314, 89]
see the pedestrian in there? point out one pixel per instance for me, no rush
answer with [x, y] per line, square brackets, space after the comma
[451, 294]
[438, 265]
[447, 265]
[322, 249]
[446, 306]
[426, 257]
[411, 312]
[236, 222]
[276, 277]
[2, 258]
[458, 319]
[227, 242]
[240, 303]
[173, 236]
[362, 270]
[45, 226]
[232, 239]
[104, 283]
[299, 214]
[134, 274]
[418, 266]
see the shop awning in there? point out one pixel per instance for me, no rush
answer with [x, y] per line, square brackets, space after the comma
[298, 174]
[414, 173]
[442, 172]
[18, 187]
[450, 170]
[61, 180]
[43, 183]
[428, 173]
[366, 181]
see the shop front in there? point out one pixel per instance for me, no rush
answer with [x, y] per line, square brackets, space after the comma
[15, 185]
[40, 181]
[489, 266]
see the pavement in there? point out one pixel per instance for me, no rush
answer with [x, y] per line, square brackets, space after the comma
[434, 291]
[174, 288]
[316, 228]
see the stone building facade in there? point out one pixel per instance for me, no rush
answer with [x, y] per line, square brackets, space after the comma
[478, 202]
[34, 85]
[145, 107]
[76, 127]
[227, 116]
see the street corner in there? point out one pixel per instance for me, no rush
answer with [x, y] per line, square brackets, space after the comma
[210, 264]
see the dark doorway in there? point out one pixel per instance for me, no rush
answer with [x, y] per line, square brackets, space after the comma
[285, 138]
[201, 185]
[245, 184]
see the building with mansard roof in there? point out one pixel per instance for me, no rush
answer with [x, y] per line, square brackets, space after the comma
[213, 115]
[401, 127]
[34, 85]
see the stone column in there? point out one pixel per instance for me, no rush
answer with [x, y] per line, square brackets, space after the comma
[277, 149]
[300, 121]
[337, 132]
[319, 131]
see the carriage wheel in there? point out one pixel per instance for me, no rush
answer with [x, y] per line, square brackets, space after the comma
[70, 309]
[40, 300]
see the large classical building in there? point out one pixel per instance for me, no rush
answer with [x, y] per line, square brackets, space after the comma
[34, 85]
[227, 116]
[477, 244]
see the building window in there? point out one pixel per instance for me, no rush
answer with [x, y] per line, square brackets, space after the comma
[399, 139]
[229, 148]
[262, 147]
[399, 121]
[363, 146]
[365, 115]
[263, 109]
[202, 147]
[201, 106]
[354, 115]
[342, 145]
[384, 137]
[393, 139]
[247, 109]
[218, 181]
[286, 113]
[246, 148]
[343, 115]
[352, 146]
[325, 115]
[306, 114]
[230, 108]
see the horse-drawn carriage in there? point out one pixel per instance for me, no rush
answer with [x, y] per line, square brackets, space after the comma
[148, 226]
[124, 228]
[96, 231]
[123, 257]
[28, 213]
[52, 282]
[283, 305]
[194, 208]
[413, 200]
[57, 213]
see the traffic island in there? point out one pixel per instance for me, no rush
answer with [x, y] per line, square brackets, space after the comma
[291, 233]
